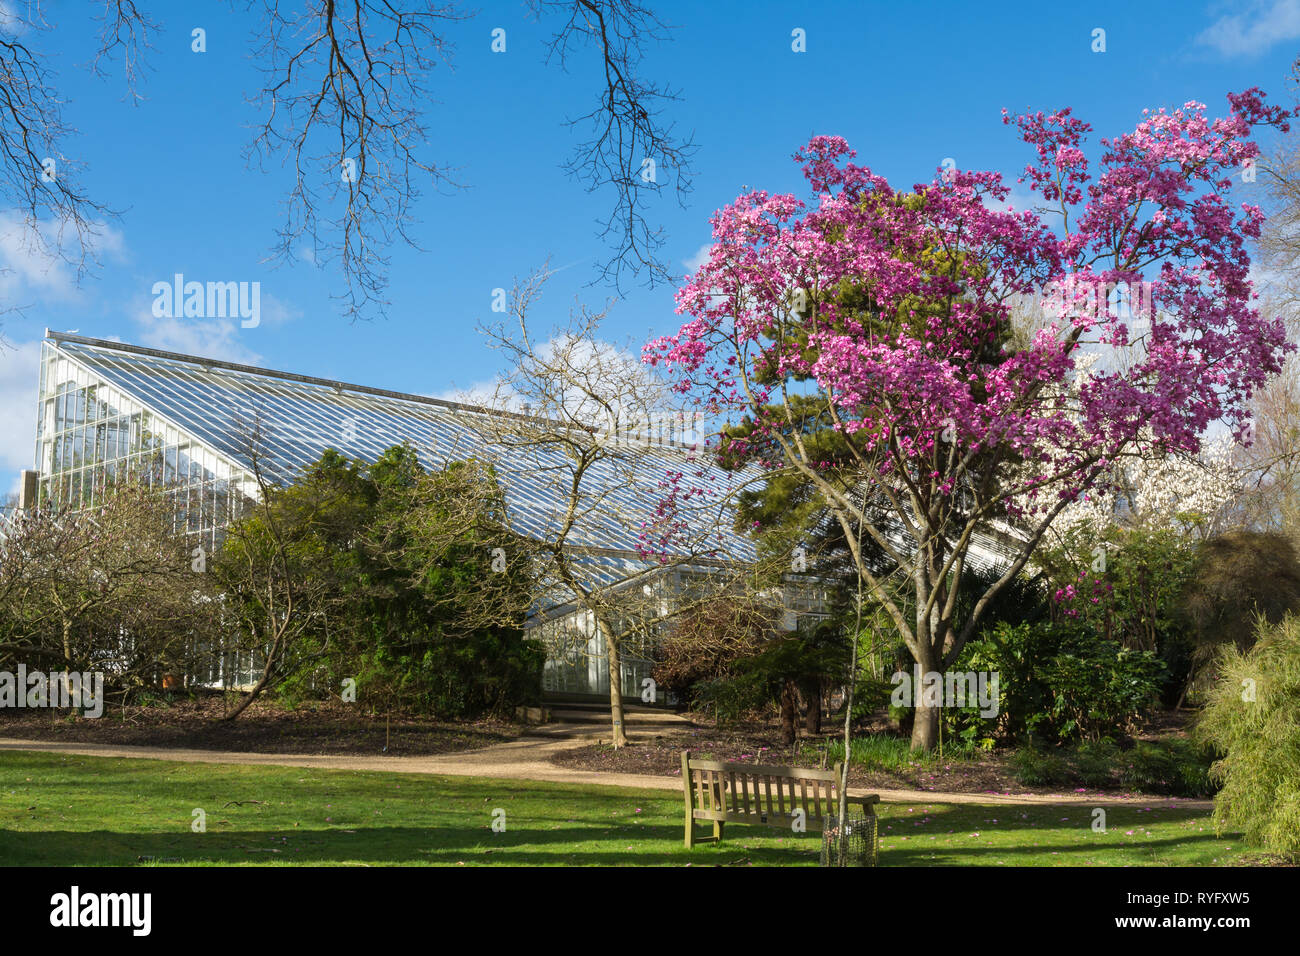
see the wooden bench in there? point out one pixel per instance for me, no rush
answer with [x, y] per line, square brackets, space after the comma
[752, 793]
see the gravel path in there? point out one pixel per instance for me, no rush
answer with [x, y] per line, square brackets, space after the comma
[527, 759]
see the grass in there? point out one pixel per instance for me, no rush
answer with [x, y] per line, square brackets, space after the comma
[70, 810]
[882, 752]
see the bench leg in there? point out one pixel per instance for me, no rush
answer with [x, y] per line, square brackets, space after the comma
[718, 827]
[875, 837]
[689, 799]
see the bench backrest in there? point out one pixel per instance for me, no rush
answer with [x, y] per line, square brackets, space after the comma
[740, 792]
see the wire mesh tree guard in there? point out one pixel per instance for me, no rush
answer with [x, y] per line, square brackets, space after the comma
[857, 846]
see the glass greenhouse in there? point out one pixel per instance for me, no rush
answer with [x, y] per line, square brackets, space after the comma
[107, 409]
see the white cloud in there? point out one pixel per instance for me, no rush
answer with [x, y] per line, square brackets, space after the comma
[1258, 27]
[598, 368]
[482, 393]
[221, 339]
[19, 377]
[701, 256]
[13, 21]
[27, 270]
[31, 268]
[217, 338]
[276, 311]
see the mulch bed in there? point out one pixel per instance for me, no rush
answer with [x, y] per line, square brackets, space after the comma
[326, 729]
[662, 756]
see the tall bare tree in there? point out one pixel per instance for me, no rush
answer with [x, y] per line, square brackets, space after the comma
[585, 432]
[113, 587]
[1272, 461]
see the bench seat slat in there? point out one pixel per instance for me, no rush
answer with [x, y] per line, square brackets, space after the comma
[799, 773]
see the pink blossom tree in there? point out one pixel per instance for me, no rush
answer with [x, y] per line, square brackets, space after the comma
[863, 342]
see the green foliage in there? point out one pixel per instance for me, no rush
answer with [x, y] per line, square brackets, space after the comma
[1178, 767]
[1096, 762]
[869, 695]
[1252, 718]
[1161, 591]
[883, 752]
[1237, 577]
[390, 569]
[1035, 767]
[793, 658]
[1128, 585]
[1060, 682]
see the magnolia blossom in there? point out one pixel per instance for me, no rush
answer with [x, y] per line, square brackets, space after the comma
[1148, 489]
[868, 325]
[912, 374]
[1161, 491]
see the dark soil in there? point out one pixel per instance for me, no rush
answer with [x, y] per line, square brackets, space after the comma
[662, 756]
[324, 729]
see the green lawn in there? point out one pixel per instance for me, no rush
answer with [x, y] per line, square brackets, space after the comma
[69, 810]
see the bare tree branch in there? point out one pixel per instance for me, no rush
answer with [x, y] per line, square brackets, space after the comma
[124, 28]
[38, 178]
[345, 83]
[630, 149]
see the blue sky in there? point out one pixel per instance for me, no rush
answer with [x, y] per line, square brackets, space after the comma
[907, 84]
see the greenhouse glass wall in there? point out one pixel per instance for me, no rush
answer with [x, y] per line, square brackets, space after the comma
[200, 426]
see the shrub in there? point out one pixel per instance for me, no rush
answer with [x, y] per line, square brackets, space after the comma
[1238, 576]
[1148, 768]
[1038, 768]
[1194, 770]
[1135, 598]
[1177, 767]
[1059, 682]
[1253, 720]
[783, 666]
[702, 648]
[1096, 762]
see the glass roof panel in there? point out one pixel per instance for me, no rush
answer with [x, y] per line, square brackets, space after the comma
[298, 420]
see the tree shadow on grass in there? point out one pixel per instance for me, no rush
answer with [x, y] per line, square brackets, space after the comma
[394, 846]
[1068, 854]
[905, 843]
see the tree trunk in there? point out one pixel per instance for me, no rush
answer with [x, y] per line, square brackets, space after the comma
[615, 687]
[812, 722]
[925, 713]
[265, 679]
[925, 726]
[789, 711]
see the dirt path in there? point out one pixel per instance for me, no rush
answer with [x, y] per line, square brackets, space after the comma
[527, 759]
